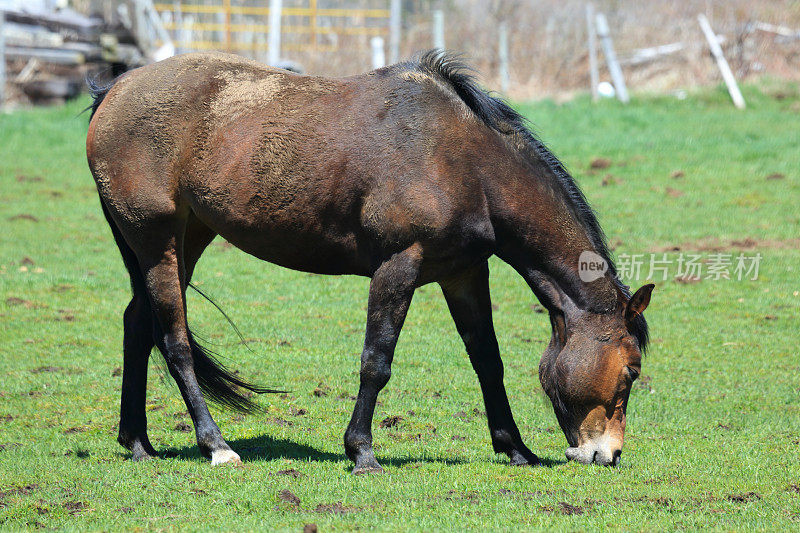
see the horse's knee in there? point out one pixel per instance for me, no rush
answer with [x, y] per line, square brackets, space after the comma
[376, 371]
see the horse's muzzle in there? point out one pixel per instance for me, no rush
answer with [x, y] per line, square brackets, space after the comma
[589, 454]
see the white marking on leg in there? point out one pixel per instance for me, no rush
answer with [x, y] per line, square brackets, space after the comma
[225, 456]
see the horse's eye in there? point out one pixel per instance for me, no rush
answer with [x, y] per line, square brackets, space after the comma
[633, 373]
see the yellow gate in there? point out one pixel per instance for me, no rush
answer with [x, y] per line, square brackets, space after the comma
[242, 26]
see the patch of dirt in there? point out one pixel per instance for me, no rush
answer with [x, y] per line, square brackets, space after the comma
[13, 491]
[24, 216]
[116, 372]
[600, 163]
[310, 528]
[391, 421]
[74, 508]
[27, 261]
[673, 193]
[73, 430]
[29, 179]
[291, 472]
[297, 412]
[686, 280]
[609, 179]
[643, 383]
[713, 245]
[678, 174]
[183, 426]
[321, 390]
[43, 369]
[335, 508]
[281, 422]
[458, 438]
[564, 508]
[747, 497]
[775, 176]
[14, 301]
[289, 497]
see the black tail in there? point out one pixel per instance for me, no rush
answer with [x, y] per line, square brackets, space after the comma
[217, 382]
[98, 93]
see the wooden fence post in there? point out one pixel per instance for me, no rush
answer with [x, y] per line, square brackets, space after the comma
[438, 29]
[594, 75]
[503, 56]
[274, 52]
[378, 56]
[394, 31]
[725, 70]
[611, 59]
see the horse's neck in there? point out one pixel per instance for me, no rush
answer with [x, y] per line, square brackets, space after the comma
[543, 241]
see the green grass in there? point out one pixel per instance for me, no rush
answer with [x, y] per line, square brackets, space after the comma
[713, 435]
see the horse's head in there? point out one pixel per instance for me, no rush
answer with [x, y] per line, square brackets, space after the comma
[588, 370]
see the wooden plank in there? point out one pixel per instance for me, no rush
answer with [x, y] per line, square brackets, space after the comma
[722, 64]
[594, 75]
[611, 58]
[47, 55]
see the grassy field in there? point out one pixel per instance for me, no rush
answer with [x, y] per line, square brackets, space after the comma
[713, 434]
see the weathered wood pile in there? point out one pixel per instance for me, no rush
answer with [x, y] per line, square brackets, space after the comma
[49, 53]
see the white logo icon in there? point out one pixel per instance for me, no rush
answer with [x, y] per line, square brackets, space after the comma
[591, 266]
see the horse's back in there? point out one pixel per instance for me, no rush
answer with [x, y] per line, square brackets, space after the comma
[291, 168]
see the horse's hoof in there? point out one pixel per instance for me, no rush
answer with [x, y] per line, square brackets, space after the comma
[222, 457]
[529, 459]
[369, 469]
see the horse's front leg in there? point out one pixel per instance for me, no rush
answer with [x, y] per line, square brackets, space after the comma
[470, 305]
[390, 294]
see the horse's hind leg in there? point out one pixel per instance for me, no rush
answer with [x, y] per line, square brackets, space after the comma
[161, 259]
[390, 294]
[471, 307]
[137, 344]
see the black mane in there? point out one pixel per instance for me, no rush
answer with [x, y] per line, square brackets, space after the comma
[498, 115]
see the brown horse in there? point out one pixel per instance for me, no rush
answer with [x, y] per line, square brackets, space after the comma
[409, 174]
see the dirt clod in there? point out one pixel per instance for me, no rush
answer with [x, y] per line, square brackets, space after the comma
[391, 421]
[116, 372]
[600, 163]
[673, 193]
[310, 528]
[745, 497]
[24, 216]
[678, 174]
[73, 430]
[775, 176]
[289, 497]
[74, 507]
[183, 426]
[291, 472]
[298, 412]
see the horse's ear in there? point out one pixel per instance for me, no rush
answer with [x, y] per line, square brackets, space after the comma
[638, 302]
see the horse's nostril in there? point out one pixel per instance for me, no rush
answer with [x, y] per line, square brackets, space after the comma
[615, 458]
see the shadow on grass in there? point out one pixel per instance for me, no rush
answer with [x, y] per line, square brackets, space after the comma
[266, 448]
